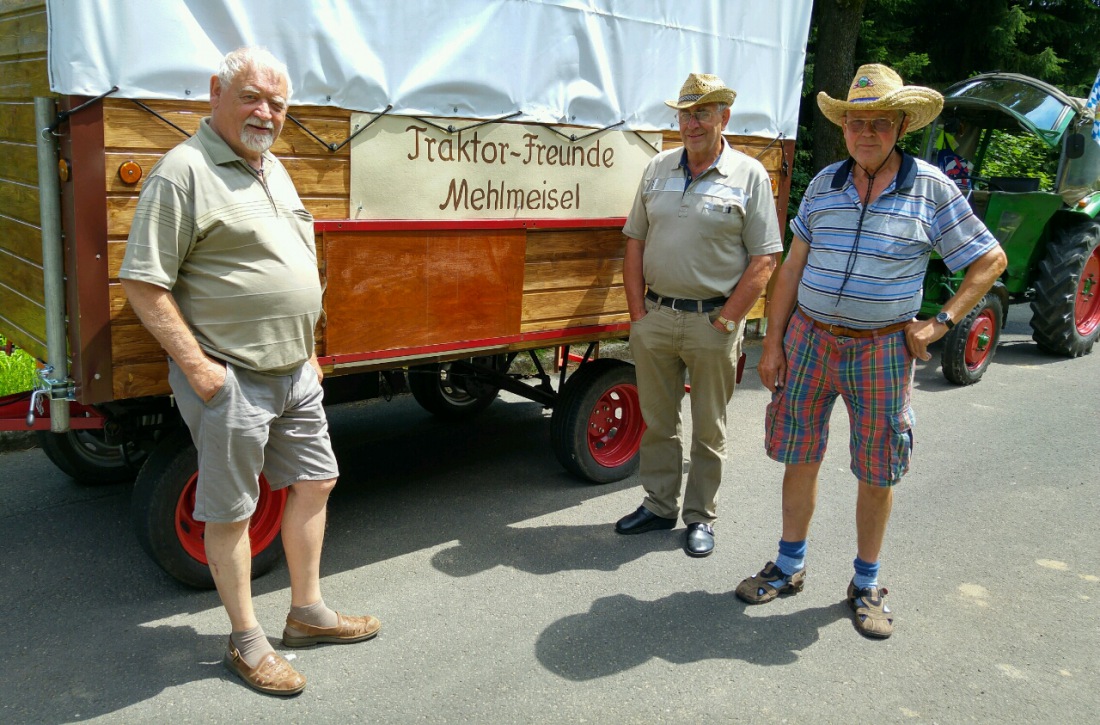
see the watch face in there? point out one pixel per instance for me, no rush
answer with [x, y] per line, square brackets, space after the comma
[730, 326]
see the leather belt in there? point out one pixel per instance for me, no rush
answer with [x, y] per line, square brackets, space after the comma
[841, 331]
[678, 303]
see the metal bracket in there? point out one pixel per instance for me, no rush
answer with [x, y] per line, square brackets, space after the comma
[49, 389]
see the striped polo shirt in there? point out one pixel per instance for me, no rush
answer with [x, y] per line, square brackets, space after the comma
[235, 249]
[920, 212]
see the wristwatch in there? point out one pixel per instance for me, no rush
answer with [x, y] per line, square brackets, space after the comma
[730, 325]
[944, 318]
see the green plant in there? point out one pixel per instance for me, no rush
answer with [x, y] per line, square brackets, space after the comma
[17, 371]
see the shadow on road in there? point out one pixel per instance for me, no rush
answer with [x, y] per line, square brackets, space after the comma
[620, 632]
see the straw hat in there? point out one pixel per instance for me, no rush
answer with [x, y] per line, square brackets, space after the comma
[702, 88]
[878, 88]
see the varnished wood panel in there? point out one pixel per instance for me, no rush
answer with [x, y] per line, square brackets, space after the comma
[560, 244]
[23, 35]
[132, 343]
[20, 163]
[17, 121]
[608, 319]
[21, 239]
[24, 78]
[19, 201]
[572, 273]
[140, 379]
[390, 290]
[573, 304]
[22, 319]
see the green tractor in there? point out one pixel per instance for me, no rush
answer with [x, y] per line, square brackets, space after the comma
[1046, 222]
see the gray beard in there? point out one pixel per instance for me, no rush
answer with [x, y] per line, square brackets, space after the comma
[256, 142]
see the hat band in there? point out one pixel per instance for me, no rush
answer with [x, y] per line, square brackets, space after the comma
[691, 97]
[864, 100]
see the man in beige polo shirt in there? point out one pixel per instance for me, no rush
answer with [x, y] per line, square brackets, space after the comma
[702, 241]
[220, 266]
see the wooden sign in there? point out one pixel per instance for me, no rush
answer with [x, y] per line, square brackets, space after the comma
[408, 168]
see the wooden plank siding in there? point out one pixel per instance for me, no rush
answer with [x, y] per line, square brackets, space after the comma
[23, 43]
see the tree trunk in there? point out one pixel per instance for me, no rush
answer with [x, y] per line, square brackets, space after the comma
[838, 23]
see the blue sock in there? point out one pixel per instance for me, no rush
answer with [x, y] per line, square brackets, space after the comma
[866, 574]
[792, 556]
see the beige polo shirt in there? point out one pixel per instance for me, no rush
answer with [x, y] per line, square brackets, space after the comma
[236, 250]
[699, 237]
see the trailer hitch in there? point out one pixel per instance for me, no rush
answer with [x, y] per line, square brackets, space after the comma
[49, 389]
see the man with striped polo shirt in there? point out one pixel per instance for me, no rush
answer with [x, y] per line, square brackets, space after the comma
[842, 323]
[221, 268]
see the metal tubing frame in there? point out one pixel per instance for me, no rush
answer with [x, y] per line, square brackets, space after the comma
[49, 204]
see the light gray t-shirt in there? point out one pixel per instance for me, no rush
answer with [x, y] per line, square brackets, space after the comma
[698, 239]
[235, 249]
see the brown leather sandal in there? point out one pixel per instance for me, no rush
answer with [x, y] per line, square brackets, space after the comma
[870, 614]
[761, 588]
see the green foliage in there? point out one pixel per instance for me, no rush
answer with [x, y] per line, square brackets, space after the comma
[17, 371]
[1023, 155]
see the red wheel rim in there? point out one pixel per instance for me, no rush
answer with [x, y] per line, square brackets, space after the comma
[262, 529]
[1086, 309]
[615, 426]
[979, 342]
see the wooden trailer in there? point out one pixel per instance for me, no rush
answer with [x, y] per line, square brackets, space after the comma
[439, 307]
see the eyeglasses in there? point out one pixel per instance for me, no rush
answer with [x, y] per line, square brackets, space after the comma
[705, 116]
[859, 125]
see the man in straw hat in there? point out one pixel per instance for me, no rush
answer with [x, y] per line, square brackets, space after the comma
[841, 323]
[702, 241]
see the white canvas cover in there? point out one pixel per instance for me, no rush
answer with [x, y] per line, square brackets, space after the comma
[587, 62]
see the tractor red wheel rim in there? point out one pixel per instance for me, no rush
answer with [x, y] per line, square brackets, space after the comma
[979, 342]
[615, 426]
[1086, 309]
[262, 529]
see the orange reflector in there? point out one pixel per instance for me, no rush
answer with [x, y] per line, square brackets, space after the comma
[63, 170]
[129, 172]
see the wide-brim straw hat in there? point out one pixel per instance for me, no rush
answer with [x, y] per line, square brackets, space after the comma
[702, 88]
[878, 88]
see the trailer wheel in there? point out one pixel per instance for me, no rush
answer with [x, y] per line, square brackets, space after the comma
[88, 459]
[1065, 314]
[162, 510]
[451, 395]
[969, 346]
[596, 428]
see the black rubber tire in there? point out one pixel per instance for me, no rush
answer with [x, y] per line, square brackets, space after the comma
[970, 345]
[451, 398]
[87, 459]
[158, 488]
[1053, 325]
[569, 437]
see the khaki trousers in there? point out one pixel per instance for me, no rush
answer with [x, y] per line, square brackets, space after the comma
[670, 348]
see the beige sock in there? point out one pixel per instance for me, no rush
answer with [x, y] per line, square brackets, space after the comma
[316, 614]
[252, 644]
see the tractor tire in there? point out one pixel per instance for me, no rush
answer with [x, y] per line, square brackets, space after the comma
[969, 346]
[162, 512]
[596, 428]
[449, 397]
[1065, 314]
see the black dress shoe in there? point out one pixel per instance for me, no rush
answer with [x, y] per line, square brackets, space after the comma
[699, 540]
[641, 521]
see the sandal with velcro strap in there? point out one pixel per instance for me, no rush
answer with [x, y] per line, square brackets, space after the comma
[769, 584]
[870, 614]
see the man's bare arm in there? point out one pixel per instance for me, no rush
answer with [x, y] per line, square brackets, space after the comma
[158, 311]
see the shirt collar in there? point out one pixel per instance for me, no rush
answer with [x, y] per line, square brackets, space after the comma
[716, 165]
[218, 150]
[907, 173]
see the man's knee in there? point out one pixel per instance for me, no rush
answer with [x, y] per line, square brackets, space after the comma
[313, 489]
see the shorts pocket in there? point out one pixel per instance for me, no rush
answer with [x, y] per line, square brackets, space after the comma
[223, 391]
[901, 444]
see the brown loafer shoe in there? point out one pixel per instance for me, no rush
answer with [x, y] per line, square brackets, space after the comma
[346, 631]
[272, 676]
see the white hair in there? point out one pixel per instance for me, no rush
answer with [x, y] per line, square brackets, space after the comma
[252, 57]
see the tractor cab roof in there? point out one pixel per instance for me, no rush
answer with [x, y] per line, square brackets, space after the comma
[1010, 101]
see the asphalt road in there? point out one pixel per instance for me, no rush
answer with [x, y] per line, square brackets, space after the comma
[506, 597]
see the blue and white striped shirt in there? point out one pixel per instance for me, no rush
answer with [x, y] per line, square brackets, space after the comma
[921, 211]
